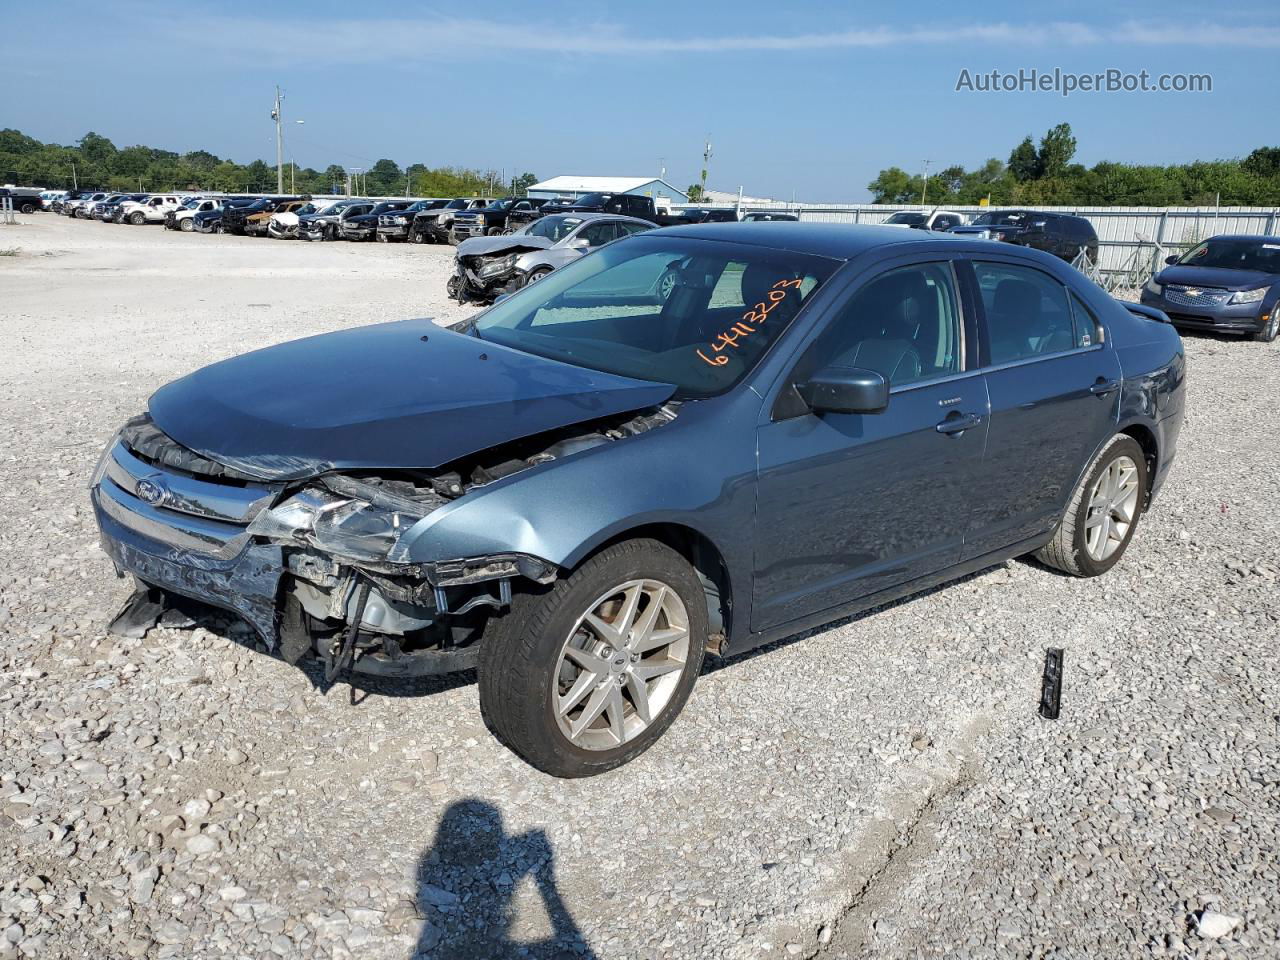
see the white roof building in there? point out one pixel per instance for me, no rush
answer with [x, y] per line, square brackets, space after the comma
[572, 186]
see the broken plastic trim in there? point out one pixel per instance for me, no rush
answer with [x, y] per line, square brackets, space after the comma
[457, 573]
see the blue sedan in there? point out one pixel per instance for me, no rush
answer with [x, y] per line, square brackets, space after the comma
[585, 489]
[1230, 284]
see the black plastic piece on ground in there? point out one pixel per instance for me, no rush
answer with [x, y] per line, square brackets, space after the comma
[1051, 684]
[141, 612]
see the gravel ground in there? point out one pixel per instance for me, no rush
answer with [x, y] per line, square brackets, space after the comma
[879, 788]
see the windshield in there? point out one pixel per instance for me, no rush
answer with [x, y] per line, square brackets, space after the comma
[910, 219]
[999, 219]
[457, 204]
[1234, 254]
[593, 199]
[553, 228]
[698, 314]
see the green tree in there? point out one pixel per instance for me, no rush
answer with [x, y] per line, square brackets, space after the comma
[520, 185]
[1024, 162]
[1057, 147]
[895, 185]
[694, 192]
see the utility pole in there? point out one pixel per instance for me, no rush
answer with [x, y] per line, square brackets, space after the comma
[924, 189]
[706, 161]
[275, 115]
[75, 184]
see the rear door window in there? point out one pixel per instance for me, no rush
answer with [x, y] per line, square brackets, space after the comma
[1027, 312]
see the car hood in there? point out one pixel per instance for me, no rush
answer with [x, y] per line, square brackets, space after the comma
[1216, 277]
[486, 246]
[289, 219]
[405, 395]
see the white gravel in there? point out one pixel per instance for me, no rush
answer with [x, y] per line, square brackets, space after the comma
[881, 788]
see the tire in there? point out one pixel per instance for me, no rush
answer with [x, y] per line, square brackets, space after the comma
[666, 283]
[494, 232]
[1268, 333]
[137, 219]
[417, 237]
[28, 208]
[186, 226]
[382, 238]
[536, 275]
[1070, 549]
[521, 668]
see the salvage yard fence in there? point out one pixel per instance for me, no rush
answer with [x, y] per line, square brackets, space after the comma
[1131, 240]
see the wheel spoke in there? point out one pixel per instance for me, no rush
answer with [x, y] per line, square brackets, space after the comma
[605, 631]
[586, 682]
[595, 706]
[587, 661]
[1095, 519]
[627, 612]
[639, 691]
[617, 708]
[660, 638]
[643, 627]
[648, 671]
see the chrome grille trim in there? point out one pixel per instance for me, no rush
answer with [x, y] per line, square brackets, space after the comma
[184, 532]
[186, 494]
[1204, 297]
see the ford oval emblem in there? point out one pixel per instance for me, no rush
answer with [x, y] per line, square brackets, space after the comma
[149, 491]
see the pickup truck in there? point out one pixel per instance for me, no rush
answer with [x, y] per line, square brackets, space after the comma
[234, 218]
[364, 226]
[643, 208]
[492, 220]
[257, 224]
[919, 220]
[394, 227]
[151, 210]
[24, 200]
[325, 224]
[436, 225]
[184, 217]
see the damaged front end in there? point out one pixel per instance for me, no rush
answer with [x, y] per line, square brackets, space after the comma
[321, 566]
[482, 278]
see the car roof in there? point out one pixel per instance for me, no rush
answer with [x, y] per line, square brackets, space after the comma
[1261, 238]
[837, 241]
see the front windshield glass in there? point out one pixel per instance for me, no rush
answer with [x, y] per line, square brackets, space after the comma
[910, 219]
[697, 314]
[1234, 254]
[594, 199]
[457, 204]
[553, 228]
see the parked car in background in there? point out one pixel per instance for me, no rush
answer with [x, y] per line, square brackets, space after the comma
[579, 495]
[69, 197]
[1229, 283]
[183, 218]
[151, 210]
[210, 221]
[1057, 233]
[919, 220]
[766, 216]
[24, 200]
[437, 223]
[491, 220]
[77, 208]
[625, 204]
[105, 210]
[690, 215]
[283, 224]
[234, 216]
[364, 226]
[50, 199]
[394, 227]
[323, 225]
[426, 228]
[487, 267]
[255, 224]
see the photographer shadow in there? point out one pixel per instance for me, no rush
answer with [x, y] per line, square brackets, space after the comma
[467, 885]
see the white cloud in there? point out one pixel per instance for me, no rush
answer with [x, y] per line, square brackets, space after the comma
[425, 40]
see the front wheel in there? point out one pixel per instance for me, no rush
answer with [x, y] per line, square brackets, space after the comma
[137, 219]
[1271, 329]
[186, 226]
[382, 238]
[1103, 513]
[536, 275]
[586, 676]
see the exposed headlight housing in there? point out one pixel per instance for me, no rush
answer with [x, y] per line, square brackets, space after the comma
[346, 527]
[1153, 287]
[1249, 296]
[497, 266]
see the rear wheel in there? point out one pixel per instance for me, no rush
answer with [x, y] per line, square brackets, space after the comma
[28, 208]
[1103, 513]
[586, 676]
[1271, 329]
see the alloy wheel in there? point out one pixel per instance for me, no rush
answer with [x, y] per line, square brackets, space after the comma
[620, 665]
[1113, 506]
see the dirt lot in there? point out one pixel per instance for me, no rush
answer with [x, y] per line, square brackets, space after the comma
[883, 787]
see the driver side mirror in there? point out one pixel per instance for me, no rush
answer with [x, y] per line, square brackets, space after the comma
[579, 243]
[1171, 260]
[837, 389]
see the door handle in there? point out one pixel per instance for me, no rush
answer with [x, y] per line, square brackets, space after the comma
[1103, 386]
[956, 423]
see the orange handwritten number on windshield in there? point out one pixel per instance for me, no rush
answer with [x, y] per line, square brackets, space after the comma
[742, 328]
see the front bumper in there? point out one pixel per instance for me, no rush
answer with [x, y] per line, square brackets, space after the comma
[465, 230]
[357, 233]
[1226, 317]
[398, 231]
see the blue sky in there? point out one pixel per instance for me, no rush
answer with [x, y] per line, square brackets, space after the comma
[804, 98]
